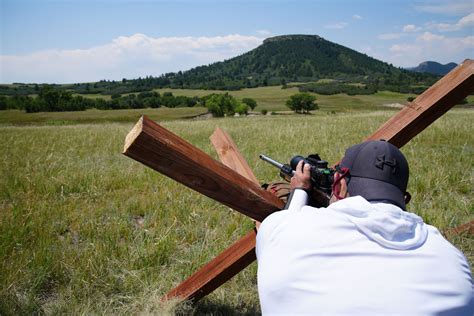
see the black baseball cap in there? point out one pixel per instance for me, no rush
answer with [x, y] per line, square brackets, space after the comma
[378, 172]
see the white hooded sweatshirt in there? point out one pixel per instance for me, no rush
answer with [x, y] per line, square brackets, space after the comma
[358, 258]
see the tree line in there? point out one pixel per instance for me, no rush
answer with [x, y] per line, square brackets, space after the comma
[54, 100]
[50, 99]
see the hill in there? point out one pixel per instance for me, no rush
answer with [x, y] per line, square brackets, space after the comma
[292, 58]
[288, 58]
[278, 61]
[433, 67]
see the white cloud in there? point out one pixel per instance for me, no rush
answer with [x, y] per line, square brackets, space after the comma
[441, 27]
[450, 8]
[464, 22]
[430, 37]
[356, 17]
[336, 26]
[124, 57]
[389, 36]
[411, 28]
[405, 49]
[264, 32]
[429, 46]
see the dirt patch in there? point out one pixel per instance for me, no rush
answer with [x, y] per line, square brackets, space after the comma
[204, 116]
[393, 105]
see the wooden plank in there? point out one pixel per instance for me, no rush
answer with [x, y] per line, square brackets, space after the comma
[163, 151]
[219, 270]
[240, 254]
[230, 155]
[467, 228]
[428, 106]
[447, 93]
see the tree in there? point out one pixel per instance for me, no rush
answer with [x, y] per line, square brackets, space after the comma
[222, 104]
[242, 109]
[250, 102]
[302, 103]
[3, 102]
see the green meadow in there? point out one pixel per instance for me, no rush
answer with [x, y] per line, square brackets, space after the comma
[274, 98]
[17, 117]
[86, 230]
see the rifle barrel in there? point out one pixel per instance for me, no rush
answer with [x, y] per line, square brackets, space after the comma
[271, 161]
[284, 168]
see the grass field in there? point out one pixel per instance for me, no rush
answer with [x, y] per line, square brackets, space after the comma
[86, 230]
[274, 98]
[15, 117]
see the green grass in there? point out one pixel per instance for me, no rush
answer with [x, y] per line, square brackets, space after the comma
[86, 230]
[15, 117]
[274, 98]
[94, 96]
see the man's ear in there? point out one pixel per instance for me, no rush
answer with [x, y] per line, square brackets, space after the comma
[343, 188]
[339, 190]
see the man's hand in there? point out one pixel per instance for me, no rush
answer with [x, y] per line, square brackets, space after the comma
[302, 177]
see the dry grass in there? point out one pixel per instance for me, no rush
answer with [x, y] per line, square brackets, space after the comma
[86, 230]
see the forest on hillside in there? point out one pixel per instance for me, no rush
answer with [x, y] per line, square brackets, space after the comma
[281, 60]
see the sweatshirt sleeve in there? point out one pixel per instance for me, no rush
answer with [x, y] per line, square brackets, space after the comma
[298, 198]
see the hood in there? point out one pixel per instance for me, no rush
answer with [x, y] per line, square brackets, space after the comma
[386, 224]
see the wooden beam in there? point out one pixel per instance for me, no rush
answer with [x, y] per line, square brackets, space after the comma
[428, 106]
[240, 254]
[461, 229]
[398, 130]
[219, 270]
[230, 155]
[163, 151]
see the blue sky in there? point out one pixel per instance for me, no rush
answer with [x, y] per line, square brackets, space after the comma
[65, 41]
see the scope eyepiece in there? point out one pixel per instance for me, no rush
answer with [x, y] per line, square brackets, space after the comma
[295, 160]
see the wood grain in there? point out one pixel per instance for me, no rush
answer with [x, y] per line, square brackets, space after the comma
[467, 228]
[219, 270]
[400, 129]
[230, 155]
[240, 254]
[428, 106]
[163, 151]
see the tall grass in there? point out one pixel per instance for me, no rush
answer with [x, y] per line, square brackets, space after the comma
[87, 230]
[16, 117]
[274, 98]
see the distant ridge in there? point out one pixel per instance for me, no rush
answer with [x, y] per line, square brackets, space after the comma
[434, 68]
[281, 60]
[293, 58]
[287, 58]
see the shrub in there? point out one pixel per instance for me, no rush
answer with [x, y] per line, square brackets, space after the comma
[222, 104]
[250, 102]
[242, 109]
[302, 102]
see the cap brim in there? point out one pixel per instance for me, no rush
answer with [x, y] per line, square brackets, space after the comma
[375, 190]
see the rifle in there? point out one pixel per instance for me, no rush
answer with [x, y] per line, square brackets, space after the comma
[322, 177]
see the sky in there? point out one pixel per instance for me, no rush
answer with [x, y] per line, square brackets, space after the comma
[69, 41]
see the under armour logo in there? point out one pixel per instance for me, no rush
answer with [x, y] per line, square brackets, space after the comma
[381, 162]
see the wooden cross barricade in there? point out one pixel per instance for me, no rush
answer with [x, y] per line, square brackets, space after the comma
[233, 183]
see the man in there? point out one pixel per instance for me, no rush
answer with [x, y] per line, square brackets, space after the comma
[362, 255]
